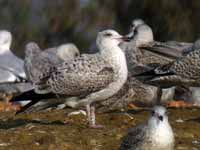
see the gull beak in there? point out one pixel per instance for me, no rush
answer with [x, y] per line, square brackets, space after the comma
[125, 38]
[130, 35]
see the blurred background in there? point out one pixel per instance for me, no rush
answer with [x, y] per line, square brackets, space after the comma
[50, 22]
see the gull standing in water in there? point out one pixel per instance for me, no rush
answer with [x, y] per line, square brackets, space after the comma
[92, 77]
[11, 67]
[155, 134]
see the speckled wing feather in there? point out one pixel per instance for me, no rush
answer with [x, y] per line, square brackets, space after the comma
[189, 66]
[183, 71]
[134, 138]
[38, 65]
[132, 91]
[80, 77]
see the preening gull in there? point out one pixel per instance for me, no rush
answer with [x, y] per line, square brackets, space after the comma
[155, 134]
[94, 77]
[11, 67]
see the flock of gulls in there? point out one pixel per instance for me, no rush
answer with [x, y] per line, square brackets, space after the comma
[130, 68]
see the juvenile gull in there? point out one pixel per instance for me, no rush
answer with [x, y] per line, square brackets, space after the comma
[11, 67]
[92, 77]
[138, 61]
[184, 71]
[39, 63]
[155, 134]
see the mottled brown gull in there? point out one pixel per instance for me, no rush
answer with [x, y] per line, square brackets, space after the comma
[184, 71]
[93, 77]
[155, 134]
[39, 63]
[139, 60]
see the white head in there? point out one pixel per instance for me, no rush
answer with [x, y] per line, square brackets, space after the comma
[140, 32]
[109, 38]
[143, 34]
[5, 39]
[158, 116]
[31, 49]
[136, 22]
[68, 51]
[196, 44]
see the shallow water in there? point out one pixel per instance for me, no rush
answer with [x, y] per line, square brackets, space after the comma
[54, 130]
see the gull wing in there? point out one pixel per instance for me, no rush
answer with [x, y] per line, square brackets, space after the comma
[80, 77]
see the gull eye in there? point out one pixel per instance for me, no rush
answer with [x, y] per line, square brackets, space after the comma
[135, 31]
[152, 113]
[76, 54]
[160, 118]
[132, 25]
[108, 34]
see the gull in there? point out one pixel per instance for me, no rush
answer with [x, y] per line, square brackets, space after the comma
[38, 63]
[11, 67]
[155, 134]
[163, 52]
[138, 61]
[93, 77]
[183, 71]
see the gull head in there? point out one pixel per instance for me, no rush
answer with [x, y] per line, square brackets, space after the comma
[196, 45]
[158, 116]
[31, 49]
[136, 22]
[68, 51]
[141, 35]
[109, 38]
[5, 39]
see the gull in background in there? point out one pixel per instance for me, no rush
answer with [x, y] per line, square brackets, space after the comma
[11, 67]
[93, 78]
[38, 62]
[183, 71]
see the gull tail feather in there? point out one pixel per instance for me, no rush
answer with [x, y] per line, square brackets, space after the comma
[149, 75]
[32, 97]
